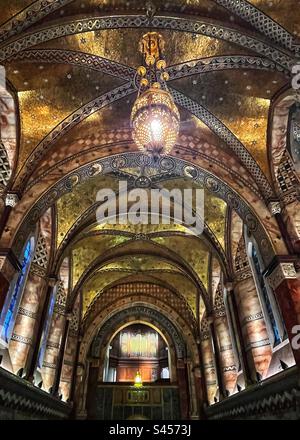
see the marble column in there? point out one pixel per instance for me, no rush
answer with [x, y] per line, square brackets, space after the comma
[9, 266]
[60, 357]
[23, 336]
[193, 405]
[68, 364]
[256, 339]
[285, 282]
[182, 381]
[237, 329]
[228, 364]
[54, 339]
[208, 362]
[217, 358]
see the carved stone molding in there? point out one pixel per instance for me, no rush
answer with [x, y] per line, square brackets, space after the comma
[23, 397]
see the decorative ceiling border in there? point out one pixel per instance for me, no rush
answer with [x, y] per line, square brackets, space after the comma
[176, 71]
[80, 59]
[28, 16]
[260, 21]
[174, 166]
[202, 27]
[181, 145]
[223, 62]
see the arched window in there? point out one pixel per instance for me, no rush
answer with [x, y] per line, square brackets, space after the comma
[267, 299]
[15, 295]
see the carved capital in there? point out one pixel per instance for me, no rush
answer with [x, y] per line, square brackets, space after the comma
[229, 285]
[11, 199]
[52, 280]
[274, 208]
[281, 272]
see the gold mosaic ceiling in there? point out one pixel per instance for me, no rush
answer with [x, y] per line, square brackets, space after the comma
[50, 92]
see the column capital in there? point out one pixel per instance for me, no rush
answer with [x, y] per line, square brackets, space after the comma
[274, 207]
[210, 319]
[52, 280]
[11, 199]
[229, 286]
[283, 270]
[9, 264]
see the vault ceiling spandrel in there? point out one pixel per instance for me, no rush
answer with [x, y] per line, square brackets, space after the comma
[11, 8]
[241, 100]
[142, 229]
[48, 94]
[283, 11]
[96, 284]
[140, 263]
[214, 208]
[192, 250]
[88, 249]
[71, 205]
[203, 8]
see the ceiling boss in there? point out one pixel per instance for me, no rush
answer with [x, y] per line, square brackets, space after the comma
[155, 118]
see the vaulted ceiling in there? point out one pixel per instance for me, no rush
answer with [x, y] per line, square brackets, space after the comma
[72, 66]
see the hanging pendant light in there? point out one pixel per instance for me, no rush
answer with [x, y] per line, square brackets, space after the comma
[155, 118]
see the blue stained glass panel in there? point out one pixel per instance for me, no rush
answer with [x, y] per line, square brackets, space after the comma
[17, 289]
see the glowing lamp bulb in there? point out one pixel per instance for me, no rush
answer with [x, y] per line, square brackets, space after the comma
[138, 383]
[156, 129]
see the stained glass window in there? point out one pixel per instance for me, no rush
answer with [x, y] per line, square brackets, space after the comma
[17, 291]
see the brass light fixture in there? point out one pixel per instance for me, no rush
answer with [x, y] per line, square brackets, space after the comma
[155, 118]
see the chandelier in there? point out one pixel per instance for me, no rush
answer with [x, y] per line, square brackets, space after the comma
[155, 118]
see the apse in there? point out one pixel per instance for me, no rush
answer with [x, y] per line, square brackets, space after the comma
[137, 349]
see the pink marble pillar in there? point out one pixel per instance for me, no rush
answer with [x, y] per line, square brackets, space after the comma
[229, 368]
[256, 340]
[23, 336]
[208, 362]
[55, 334]
[285, 282]
[68, 365]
